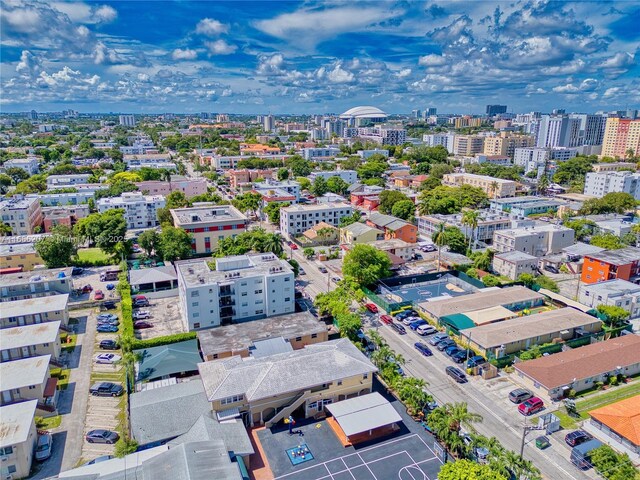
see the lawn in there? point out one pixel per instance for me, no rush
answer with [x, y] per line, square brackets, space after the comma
[48, 423]
[93, 255]
[68, 341]
[597, 401]
[63, 377]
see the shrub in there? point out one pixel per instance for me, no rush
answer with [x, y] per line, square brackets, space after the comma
[599, 385]
[572, 393]
[159, 341]
[613, 381]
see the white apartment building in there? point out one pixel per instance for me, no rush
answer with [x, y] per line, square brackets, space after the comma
[383, 134]
[493, 187]
[536, 159]
[18, 439]
[298, 218]
[127, 120]
[64, 181]
[29, 164]
[320, 153]
[60, 199]
[591, 128]
[241, 288]
[599, 184]
[512, 264]
[435, 139]
[364, 154]
[141, 211]
[618, 293]
[558, 131]
[349, 176]
[488, 223]
[538, 240]
[22, 214]
[289, 186]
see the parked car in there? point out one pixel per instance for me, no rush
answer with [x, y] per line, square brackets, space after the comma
[519, 395]
[335, 279]
[475, 361]
[141, 324]
[114, 323]
[107, 358]
[107, 328]
[551, 268]
[108, 305]
[460, 356]
[101, 436]
[444, 344]
[140, 303]
[386, 319]
[141, 314]
[87, 289]
[108, 345]
[110, 286]
[98, 295]
[77, 271]
[106, 389]
[107, 317]
[423, 349]
[577, 437]
[399, 328]
[451, 350]
[301, 271]
[43, 447]
[531, 406]
[429, 248]
[293, 246]
[437, 338]
[457, 374]
[542, 442]
[416, 324]
[426, 329]
[100, 459]
[372, 307]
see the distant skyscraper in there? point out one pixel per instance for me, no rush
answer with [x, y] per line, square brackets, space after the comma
[631, 114]
[591, 128]
[496, 110]
[416, 113]
[222, 117]
[558, 131]
[268, 123]
[127, 120]
[431, 111]
[32, 115]
[204, 116]
[559, 111]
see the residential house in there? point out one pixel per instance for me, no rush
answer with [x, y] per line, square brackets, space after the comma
[621, 264]
[619, 423]
[396, 247]
[513, 264]
[302, 382]
[580, 368]
[30, 341]
[322, 234]
[618, 293]
[18, 438]
[67, 215]
[31, 311]
[359, 233]
[393, 227]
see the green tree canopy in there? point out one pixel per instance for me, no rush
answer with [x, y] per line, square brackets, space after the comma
[299, 166]
[105, 230]
[447, 200]
[404, 209]
[283, 173]
[366, 264]
[149, 240]
[608, 241]
[319, 187]
[337, 185]
[174, 244]
[58, 249]
[614, 315]
[272, 210]
[388, 198]
[468, 470]
[614, 202]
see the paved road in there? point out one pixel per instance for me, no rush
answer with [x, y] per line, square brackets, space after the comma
[500, 421]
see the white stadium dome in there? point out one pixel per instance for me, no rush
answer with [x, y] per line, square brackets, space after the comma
[363, 112]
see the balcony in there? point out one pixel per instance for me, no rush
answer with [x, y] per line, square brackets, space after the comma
[227, 302]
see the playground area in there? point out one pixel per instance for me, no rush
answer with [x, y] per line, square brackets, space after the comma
[446, 286]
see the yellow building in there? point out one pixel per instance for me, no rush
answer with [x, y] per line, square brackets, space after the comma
[359, 233]
[21, 255]
[621, 135]
[493, 187]
[506, 144]
[468, 144]
[267, 389]
[467, 121]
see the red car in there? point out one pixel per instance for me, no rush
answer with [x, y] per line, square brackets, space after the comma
[371, 307]
[87, 289]
[293, 246]
[98, 295]
[139, 325]
[531, 406]
[386, 319]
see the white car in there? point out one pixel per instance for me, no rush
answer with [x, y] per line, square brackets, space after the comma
[410, 320]
[108, 358]
[43, 447]
[141, 314]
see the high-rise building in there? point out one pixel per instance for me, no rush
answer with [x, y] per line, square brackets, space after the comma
[416, 113]
[496, 110]
[32, 115]
[430, 111]
[444, 139]
[222, 117]
[620, 136]
[591, 128]
[599, 184]
[268, 123]
[127, 120]
[558, 131]
[468, 144]
[506, 144]
[467, 121]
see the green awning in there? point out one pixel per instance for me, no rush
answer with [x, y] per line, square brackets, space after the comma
[458, 321]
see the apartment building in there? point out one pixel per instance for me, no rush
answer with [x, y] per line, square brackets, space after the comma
[393, 227]
[258, 149]
[67, 215]
[468, 144]
[268, 389]
[127, 120]
[525, 206]
[315, 154]
[241, 288]
[141, 211]
[513, 264]
[29, 164]
[189, 186]
[290, 187]
[493, 187]
[618, 293]
[349, 176]
[506, 144]
[19, 255]
[614, 167]
[30, 341]
[43, 283]
[621, 264]
[621, 135]
[29, 379]
[541, 159]
[558, 131]
[384, 134]
[17, 439]
[239, 178]
[296, 219]
[592, 128]
[488, 223]
[31, 311]
[466, 121]
[22, 214]
[444, 139]
[538, 240]
[65, 181]
[64, 199]
[209, 223]
[599, 184]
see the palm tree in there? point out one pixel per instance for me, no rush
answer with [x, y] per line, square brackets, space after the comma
[630, 153]
[273, 243]
[166, 176]
[381, 356]
[324, 233]
[439, 237]
[494, 188]
[461, 416]
[470, 218]
[376, 338]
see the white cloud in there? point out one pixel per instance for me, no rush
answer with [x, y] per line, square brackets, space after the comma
[432, 60]
[220, 47]
[405, 72]
[80, 12]
[619, 60]
[339, 75]
[612, 92]
[270, 64]
[569, 88]
[186, 54]
[211, 27]
[589, 85]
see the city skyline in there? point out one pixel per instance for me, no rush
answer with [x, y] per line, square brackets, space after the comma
[287, 57]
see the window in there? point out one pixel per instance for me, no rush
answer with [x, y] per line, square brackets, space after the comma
[245, 304]
[11, 469]
[259, 302]
[298, 339]
[6, 451]
[314, 335]
[195, 293]
[287, 279]
[339, 382]
[32, 387]
[195, 304]
[215, 355]
[232, 399]
[196, 315]
[257, 292]
[287, 299]
[365, 376]
[196, 325]
[259, 312]
[243, 294]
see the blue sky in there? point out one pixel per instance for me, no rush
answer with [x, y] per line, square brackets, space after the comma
[317, 57]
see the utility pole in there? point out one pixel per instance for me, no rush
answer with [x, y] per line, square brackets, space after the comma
[525, 429]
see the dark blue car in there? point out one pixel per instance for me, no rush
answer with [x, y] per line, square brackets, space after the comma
[423, 349]
[475, 361]
[417, 323]
[106, 328]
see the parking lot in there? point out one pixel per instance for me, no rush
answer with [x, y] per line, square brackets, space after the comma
[91, 276]
[165, 318]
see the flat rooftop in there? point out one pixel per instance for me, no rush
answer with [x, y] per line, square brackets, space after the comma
[28, 335]
[239, 336]
[25, 278]
[582, 249]
[24, 372]
[484, 298]
[515, 256]
[617, 286]
[32, 306]
[538, 227]
[523, 328]
[316, 207]
[7, 250]
[521, 200]
[619, 257]
[17, 420]
[206, 213]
